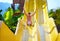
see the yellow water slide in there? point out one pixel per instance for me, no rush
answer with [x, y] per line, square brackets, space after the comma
[31, 33]
[30, 6]
[5, 33]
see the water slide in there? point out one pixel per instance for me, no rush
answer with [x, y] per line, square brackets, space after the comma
[31, 33]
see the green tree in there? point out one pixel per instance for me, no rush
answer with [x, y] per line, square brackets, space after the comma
[0, 11]
[56, 15]
[57, 20]
[8, 17]
[1, 18]
[11, 20]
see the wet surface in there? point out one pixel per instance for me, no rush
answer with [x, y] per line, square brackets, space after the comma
[41, 30]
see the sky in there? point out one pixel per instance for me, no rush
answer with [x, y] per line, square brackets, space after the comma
[52, 4]
[6, 1]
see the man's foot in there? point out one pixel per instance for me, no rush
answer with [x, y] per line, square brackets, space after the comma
[30, 25]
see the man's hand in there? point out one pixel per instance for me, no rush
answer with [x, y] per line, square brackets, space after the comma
[34, 13]
[25, 12]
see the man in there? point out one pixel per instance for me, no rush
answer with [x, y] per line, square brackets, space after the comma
[29, 17]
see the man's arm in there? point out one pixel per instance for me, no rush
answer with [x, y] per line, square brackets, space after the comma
[25, 12]
[33, 13]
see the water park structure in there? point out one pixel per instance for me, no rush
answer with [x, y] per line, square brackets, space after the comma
[44, 28]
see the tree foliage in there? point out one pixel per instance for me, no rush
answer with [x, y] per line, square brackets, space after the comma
[0, 11]
[11, 20]
[1, 17]
[56, 15]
